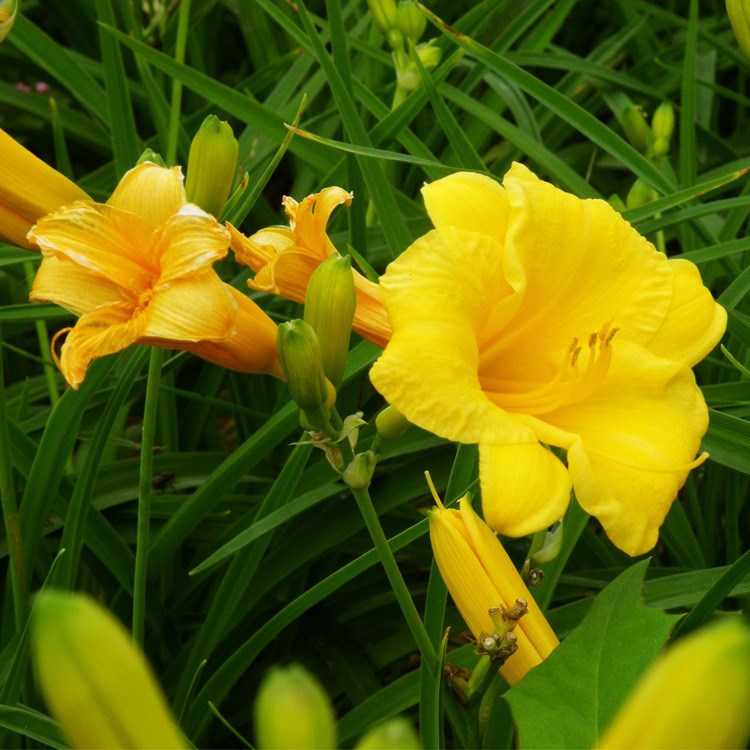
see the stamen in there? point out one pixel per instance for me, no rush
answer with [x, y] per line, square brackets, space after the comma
[433, 491]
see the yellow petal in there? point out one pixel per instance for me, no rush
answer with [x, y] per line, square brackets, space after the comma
[309, 219]
[260, 249]
[190, 241]
[103, 240]
[252, 345]
[439, 294]
[29, 189]
[77, 289]
[525, 487]
[198, 307]
[633, 444]
[151, 192]
[693, 324]
[469, 201]
[96, 334]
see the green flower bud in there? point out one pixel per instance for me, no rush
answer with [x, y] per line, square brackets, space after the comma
[394, 734]
[212, 165]
[636, 129]
[410, 20]
[330, 303]
[660, 147]
[384, 14]
[299, 354]
[662, 123]
[739, 16]
[8, 13]
[617, 203]
[94, 680]
[391, 424]
[150, 155]
[358, 473]
[640, 194]
[292, 712]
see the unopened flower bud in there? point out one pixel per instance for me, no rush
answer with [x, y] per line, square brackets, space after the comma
[695, 696]
[330, 303]
[212, 165]
[636, 128]
[358, 473]
[292, 711]
[662, 123]
[94, 680]
[149, 155]
[8, 13]
[394, 734]
[299, 354]
[739, 16]
[410, 20]
[407, 74]
[391, 424]
[640, 194]
[384, 14]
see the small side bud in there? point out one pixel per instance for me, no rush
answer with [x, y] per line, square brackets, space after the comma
[330, 303]
[299, 354]
[640, 194]
[391, 424]
[8, 13]
[212, 165]
[394, 734]
[293, 711]
[358, 473]
[662, 123]
[149, 155]
[410, 20]
[636, 128]
[384, 14]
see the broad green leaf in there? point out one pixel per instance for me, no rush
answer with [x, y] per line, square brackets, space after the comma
[594, 668]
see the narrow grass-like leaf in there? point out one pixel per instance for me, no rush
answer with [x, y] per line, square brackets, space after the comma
[32, 724]
[728, 441]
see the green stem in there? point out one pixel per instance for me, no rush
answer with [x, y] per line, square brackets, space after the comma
[144, 494]
[10, 512]
[179, 56]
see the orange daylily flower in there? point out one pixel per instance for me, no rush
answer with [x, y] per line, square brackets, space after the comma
[138, 270]
[284, 258]
[29, 189]
[530, 318]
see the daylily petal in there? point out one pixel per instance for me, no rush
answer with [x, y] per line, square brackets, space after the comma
[252, 345]
[101, 239]
[191, 241]
[693, 323]
[525, 487]
[260, 249]
[73, 287]
[151, 192]
[29, 189]
[469, 201]
[429, 368]
[309, 218]
[194, 308]
[633, 444]
[96, 334]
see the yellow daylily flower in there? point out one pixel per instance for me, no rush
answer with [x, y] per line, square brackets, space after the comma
[138, 270]
[284, 258]
[530, 318]
[481, 577]
[29, 189]
[695, 696]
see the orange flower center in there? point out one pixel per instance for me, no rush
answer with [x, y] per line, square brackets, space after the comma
[573, 381]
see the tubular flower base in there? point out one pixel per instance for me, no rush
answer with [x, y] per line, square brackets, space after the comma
[29, 189]
[482, 579]
[284, 259]
[137, 270]
[695, 696]
[530, 318]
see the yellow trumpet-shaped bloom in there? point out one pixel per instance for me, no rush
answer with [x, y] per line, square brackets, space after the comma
[284, 258]
[138, 269]
[530, 318]
[29, 189]
[480, 576]
[695, 696]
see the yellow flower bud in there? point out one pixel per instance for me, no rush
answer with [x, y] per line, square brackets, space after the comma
[212, 165]
[391, 423]
[410, 20]
[330, 303]
[394, 734]
[94, 680]
[8, 13]
[662, 123]
[636, 129]
[695, 696]
[739, 16]
[292, 711]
